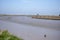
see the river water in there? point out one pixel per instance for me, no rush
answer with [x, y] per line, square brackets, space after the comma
[31, 29]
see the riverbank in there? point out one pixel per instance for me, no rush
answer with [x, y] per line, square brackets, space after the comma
[47, 17]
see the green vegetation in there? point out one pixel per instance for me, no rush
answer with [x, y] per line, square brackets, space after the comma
[5, 35]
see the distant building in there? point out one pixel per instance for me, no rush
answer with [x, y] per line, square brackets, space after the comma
[59, 14]
[37, 14]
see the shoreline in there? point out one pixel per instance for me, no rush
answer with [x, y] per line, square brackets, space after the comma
[47, 17]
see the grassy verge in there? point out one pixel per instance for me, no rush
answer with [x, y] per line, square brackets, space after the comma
[5, 35]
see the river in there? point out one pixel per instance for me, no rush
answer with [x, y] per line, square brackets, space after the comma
[31, 29]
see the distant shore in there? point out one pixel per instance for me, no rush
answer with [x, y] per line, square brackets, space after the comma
[47, 17]
[39, 16]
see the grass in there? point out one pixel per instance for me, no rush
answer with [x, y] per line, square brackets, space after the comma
[5, 35]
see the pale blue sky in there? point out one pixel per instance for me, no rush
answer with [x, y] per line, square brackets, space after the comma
[42, 7]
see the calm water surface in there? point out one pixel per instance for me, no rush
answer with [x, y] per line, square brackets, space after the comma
[31, 29]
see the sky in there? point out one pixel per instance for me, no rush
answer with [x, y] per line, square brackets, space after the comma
[30, 7]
